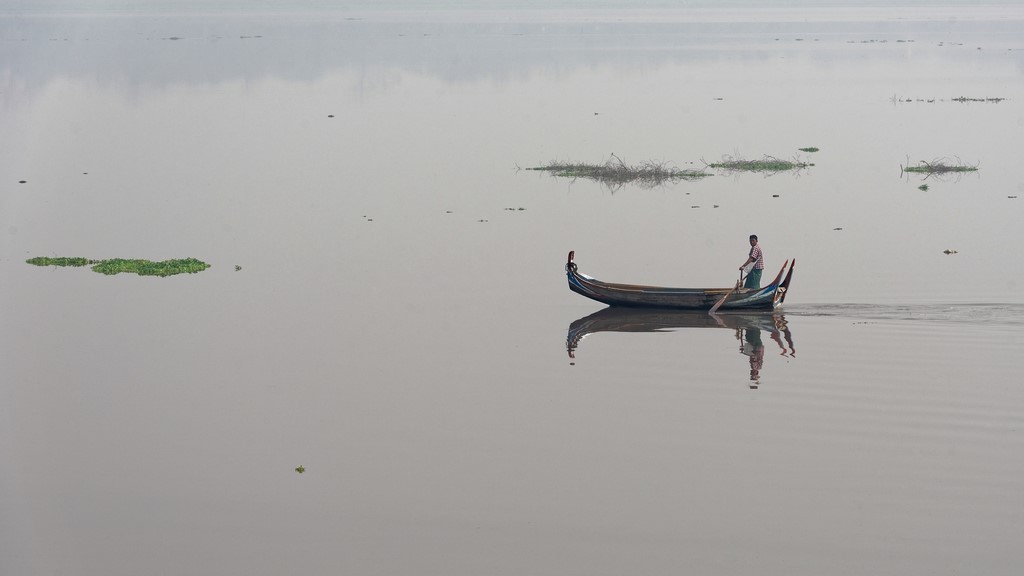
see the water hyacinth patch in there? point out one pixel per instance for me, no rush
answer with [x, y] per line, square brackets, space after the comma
[63, 261]
[132, 266]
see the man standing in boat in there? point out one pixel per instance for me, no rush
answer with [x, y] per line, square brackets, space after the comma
[757, 259]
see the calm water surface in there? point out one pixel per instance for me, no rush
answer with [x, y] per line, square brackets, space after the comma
[401, 327]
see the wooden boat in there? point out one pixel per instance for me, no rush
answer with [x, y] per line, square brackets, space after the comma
[635, 295]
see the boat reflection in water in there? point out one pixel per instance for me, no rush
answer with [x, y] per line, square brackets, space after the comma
[748, 329]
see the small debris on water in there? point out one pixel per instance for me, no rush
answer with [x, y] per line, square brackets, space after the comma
[715, 206]
[694, 206]
[775, 195]
[237, 267]
[837, 228]
[330, 115]
[481, 220]
[22, 181]
[1011, 196]
[923, 187]
[948, 251]
[300, 469]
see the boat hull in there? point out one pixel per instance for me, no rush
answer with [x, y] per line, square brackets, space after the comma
[640, 296]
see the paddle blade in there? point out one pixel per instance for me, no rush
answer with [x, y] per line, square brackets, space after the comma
[722, 301]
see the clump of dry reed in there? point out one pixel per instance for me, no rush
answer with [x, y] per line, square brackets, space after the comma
[940, 166]
[766, 164]
[615, 172]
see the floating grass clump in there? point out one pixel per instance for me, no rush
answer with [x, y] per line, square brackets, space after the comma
[961, 99]
[809, 149]
[767, 164]
[940, 166]
[122, 265]
[614, 172]
[966, 99]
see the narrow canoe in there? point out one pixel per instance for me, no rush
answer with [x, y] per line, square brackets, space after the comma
[636, 295]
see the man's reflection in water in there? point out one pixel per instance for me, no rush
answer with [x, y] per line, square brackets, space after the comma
[752, 347]
[748, 330]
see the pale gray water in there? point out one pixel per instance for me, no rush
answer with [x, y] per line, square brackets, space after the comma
[401, 334]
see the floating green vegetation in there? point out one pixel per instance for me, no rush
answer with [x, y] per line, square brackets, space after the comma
[44, 261]
[300, 469]
[767, 164]
[940, 166]
[809, 149]
[923, 187]
[615, 173]
[149, 268]
[119, 265]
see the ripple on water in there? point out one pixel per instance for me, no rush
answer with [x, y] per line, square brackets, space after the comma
[981, 313]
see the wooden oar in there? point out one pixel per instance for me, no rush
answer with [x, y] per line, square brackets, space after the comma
[727, 294]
